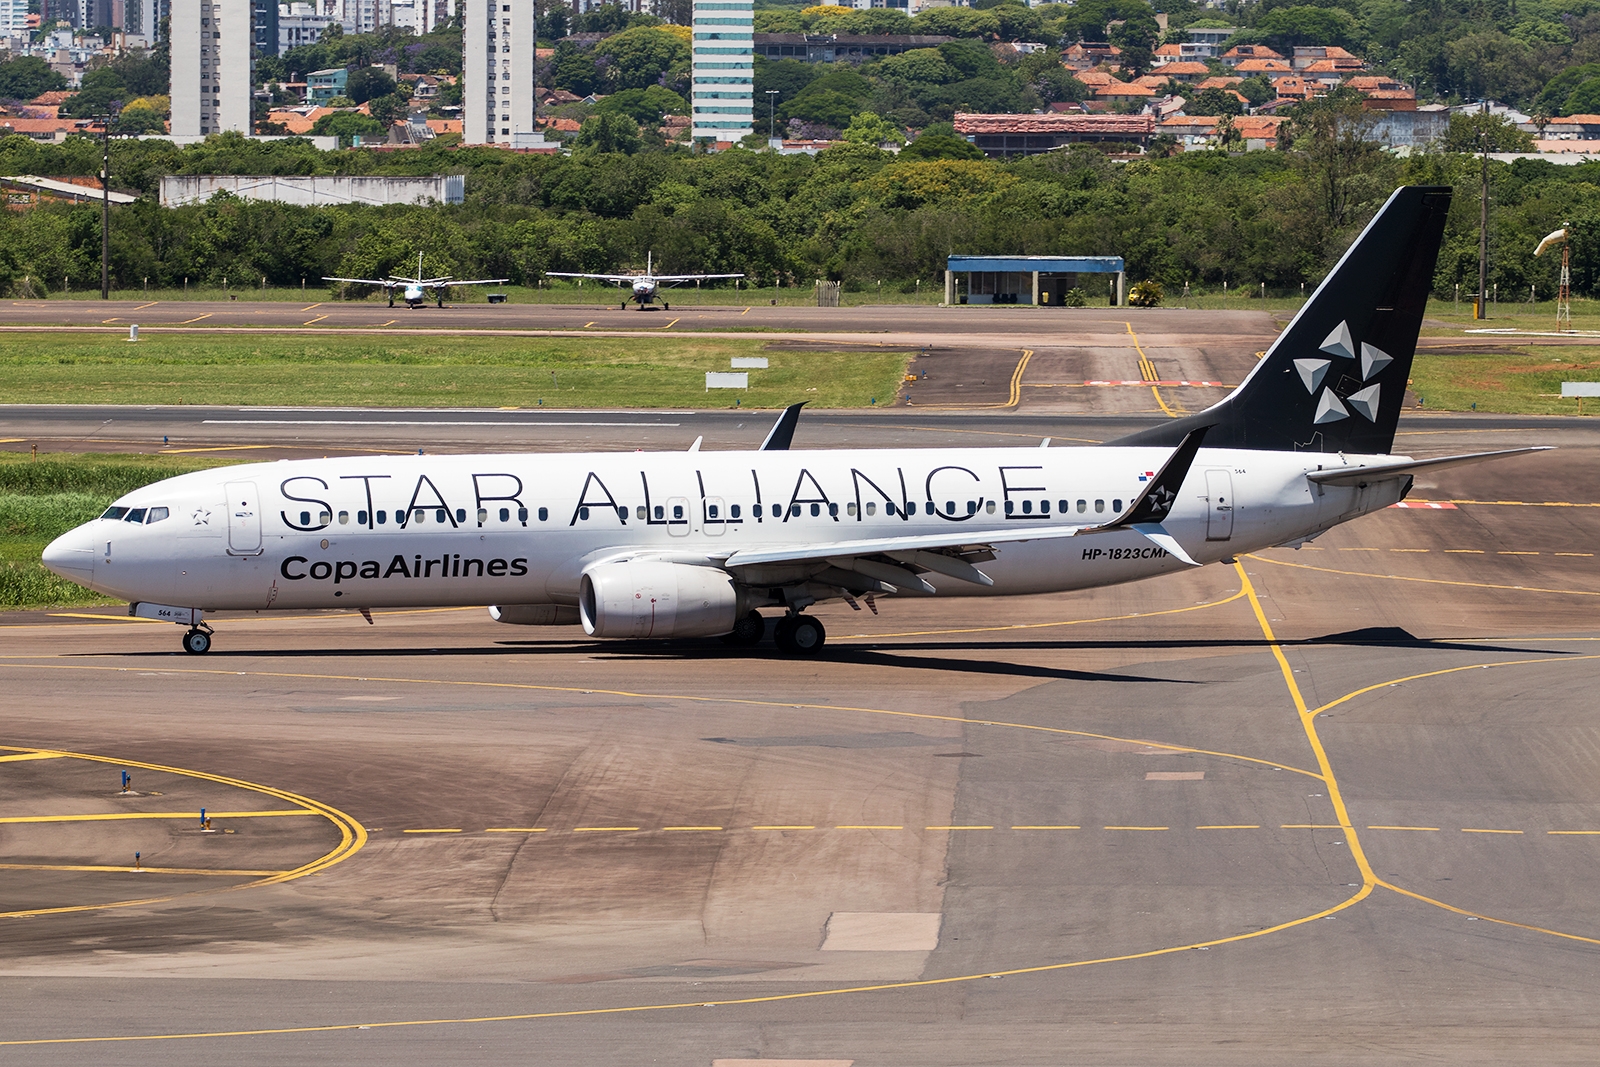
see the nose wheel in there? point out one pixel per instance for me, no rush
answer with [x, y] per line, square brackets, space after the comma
[197, 642]
[799, 635]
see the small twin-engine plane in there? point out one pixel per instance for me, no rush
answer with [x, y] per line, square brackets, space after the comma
[646, 286]
[696, 544]
[414, 291]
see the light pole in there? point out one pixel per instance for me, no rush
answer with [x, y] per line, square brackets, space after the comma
[112, 111]
[772, 112]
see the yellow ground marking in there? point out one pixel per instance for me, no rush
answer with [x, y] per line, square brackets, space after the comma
[1012, 400]
[21, 756]
[391, 322]
[1310, 826]
[1360, 550]
[152, 304]
[686, 829]
[105, 322]
[1472, 830]
[1409, 550]
[1147, 371]
[746, 311]
[1572, 833]
[1508, 553]
[984, 433]
[1047, 828]
[197, 318]
[1516, 503]
[129, 816]
[587, 325]
[875, 827]
[1138, 827]
[453, 830]
[1574, 553]
[214, 448]
[1488, 918]
[1238, 827]
[11, 440]
[671, 324]
[958, 828]
[1046, 625]
[311, 322]
[312, 306]
[1426, 581]
[352, 835]
[127, 870]
[1429, 829]
[1465, 551]
[515, 830]
[601, 829]
[781, 828]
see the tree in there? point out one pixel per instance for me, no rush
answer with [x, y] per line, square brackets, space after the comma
[932, 146]
[1257, 90]
[140, 120]
[347, 125]
[1490, 65]
[26, 77]
[1305, 25]
[1213, 102]
[644, 106]
[368, 83]
[1331, 133]
[1478, 132]
[868, 128]
[1137, 37]
[388, 110]
[574, 70]
[644, 56]
[101, 88]
[606, 133]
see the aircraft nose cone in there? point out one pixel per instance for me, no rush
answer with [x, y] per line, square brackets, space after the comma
[72, 556]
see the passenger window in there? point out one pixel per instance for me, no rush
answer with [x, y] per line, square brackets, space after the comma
[929, 509]
[383, 517]
[344, 518]
[816, 509]
[833, 509]
[733, 511]
[1116, 505]
[711, 511]
[888, 508]
[443, 516]
[323, 518]
[794, 511]
[583, 513]
[1010, 506]
[850, 510]
[622, 513]
[461, 514]
[641, 512]
[1082, 506]
[305, 518]
[417, 515]
[114, 513]
[483, 516]
[505, 514]
[1044, 507]
[1099, 505]
[661, 512]
[872, 508]
[361, 517]
[949, 507]
[972, 507]
[988, 507]
[522, 516]
[1063, 506]
[911, 507]
[1027, 507]
[544, 514]
[677, 511]
[156, 515]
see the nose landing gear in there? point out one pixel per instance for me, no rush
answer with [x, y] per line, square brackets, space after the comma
[197, 641]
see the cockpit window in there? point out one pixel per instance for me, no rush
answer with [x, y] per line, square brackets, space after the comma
[156, 515]
[114, 513]
[136, 515]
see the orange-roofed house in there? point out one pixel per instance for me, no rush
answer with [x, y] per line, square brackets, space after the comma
[1187, 71]
[1251, 67]
[443, 126]
[1085, 55]
[1305, 56]
[1295, 88]
[300, 120]
[1123, 93]
[1219, 82]
[1094, 78]
[1258, 131]
[1384, 94]
[1244, 52]
[1190, 130]
[1167, 53]
[1157, 82]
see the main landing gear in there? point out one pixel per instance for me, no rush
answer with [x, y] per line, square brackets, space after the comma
[197, 642]
[799, 635]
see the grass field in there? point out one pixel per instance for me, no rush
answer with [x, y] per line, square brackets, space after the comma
[1528, 383]
[449, 371]
[594, 293]
[42, 499]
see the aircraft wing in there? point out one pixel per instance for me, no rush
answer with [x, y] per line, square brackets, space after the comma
[1380, 471]
[445, 283]
[691, 277]
[387, 283]
[600, 277]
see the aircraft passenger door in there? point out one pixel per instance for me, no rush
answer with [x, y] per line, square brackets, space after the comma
[1219, 496]
[716, 515]
[244, 519]
[678, 516]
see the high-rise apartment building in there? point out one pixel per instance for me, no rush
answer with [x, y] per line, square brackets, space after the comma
[724, 70]
[14, 18]
[264, 27]
[499, 38]
[211, 42]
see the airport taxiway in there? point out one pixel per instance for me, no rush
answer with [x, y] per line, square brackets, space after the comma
[1335, 805]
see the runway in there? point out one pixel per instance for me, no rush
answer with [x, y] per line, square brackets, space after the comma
[1336, 805]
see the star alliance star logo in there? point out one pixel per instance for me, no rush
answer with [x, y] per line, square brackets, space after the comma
[1161, 497]
[201, 517]
[1330, 406]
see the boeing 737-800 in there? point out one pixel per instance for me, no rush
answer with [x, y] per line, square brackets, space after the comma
[697, 544]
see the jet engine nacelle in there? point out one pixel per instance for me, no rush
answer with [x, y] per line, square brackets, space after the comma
[649, 598]
[534, 614]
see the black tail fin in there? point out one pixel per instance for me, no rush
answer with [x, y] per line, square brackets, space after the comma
[1335, 379]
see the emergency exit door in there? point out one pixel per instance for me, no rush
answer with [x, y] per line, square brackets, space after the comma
[244, 519]
[1219, 496]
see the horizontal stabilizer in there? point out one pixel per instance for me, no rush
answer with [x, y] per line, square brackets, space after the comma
[1157, 535]
[1375, 472]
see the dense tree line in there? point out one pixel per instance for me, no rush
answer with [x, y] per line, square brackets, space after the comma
[853, 213]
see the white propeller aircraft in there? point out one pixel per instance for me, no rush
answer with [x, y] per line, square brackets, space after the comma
[414, 291]
[647, 285]
[695, 544]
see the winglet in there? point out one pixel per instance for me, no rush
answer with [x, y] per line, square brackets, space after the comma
[782, 432]
[1155, 503]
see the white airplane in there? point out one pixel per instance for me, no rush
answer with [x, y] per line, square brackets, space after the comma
[695, 544]
[646, 285]
[414, 291]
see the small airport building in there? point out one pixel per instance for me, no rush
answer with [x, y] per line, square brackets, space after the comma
[1042, 280]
